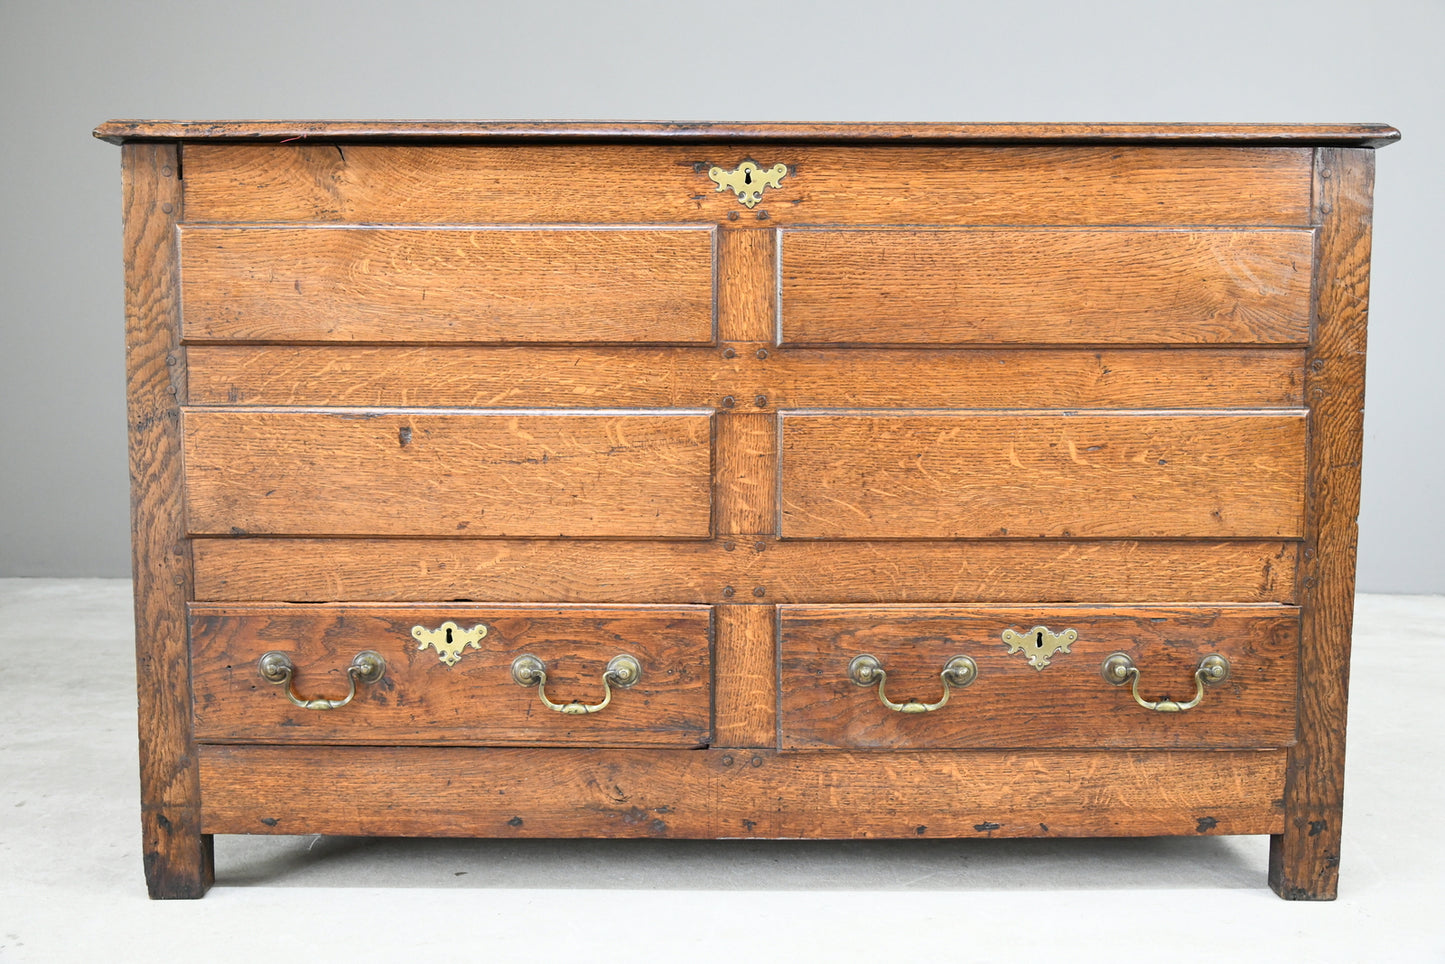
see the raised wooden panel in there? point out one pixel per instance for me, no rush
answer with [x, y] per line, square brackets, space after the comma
[466, 792]
[421, 699]
[1046, 287]
[367, 284]
[937, 476]
[646, 183]
[546, 377]
[1013, 704]
[574, 570]
[429, 472]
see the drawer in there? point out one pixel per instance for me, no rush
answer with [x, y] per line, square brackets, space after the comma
[428, 472]
[878, 475]
[439, 285]
[1011, 703]
[457, 692]
[1034, 286]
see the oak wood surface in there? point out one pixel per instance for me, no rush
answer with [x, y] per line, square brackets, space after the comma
[178, 858]
[747, 285]
[1364, 135]
[428, 472]
[962, 475]
[1051, 287]
[467, 792]
[633, 184]
[1305, 859]
[746, 475]
[1080, 403]
[1011, 703]
[573, 377]
[422, 700]
[745, 672]
[574, 570]
[369, 284]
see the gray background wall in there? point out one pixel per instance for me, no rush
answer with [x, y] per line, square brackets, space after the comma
[67, 65]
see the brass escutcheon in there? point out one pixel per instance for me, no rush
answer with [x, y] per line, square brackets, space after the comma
[1039, 644]
[748, 180]
[450, 640]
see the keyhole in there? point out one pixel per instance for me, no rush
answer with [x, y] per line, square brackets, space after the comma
[449, 636]
[1038, 640]
[747, 177]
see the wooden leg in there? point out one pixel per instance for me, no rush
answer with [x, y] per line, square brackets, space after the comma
[1304, 861]
[179, 862]
[177, 855]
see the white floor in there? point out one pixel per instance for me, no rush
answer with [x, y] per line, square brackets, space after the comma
[71, 885]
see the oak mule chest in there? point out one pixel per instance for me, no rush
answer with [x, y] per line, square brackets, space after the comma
[785, 481]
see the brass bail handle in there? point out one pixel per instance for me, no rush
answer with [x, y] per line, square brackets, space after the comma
[865, 670]
[366, 667]
[1119, 669]
[622, 671]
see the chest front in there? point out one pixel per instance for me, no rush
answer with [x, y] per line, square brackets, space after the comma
[745, 486]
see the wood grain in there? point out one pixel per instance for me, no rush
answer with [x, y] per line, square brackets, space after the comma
[938, 476]
[368, 284]
[422, 700]
[1012, 704]
[1050, 287]
[573, 377]
[1019, 571]
[428, 472]
[746, 476]
[747, 285]
[466, 792]
[533, 374]
[1305, 859]
[177, 856]
[637, 183]
[1362, 135]
[746, 679]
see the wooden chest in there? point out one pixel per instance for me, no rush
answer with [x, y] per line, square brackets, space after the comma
[572, 480]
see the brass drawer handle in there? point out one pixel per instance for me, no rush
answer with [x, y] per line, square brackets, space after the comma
[622, 670]
[959, 671]
[1120, 669]
[366, 667]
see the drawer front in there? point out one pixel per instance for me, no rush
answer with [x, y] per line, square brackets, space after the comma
[979, 474]
[460, 692]
[1010, 703]
[669, 183]
[368, 284]
[435, 473]
[1102, 287]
